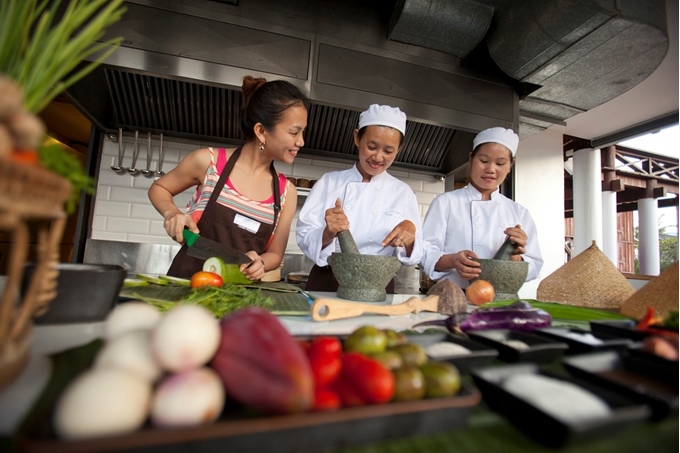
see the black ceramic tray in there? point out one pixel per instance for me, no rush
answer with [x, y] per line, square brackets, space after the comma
[538, 349]
[639, 375]
[618, 328]
[544, 427]
[479, 355]
[578, 339]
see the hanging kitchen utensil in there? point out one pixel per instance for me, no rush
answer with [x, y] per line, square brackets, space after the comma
[149, 154]
[118, 167]
[159, 164]
[135, 152]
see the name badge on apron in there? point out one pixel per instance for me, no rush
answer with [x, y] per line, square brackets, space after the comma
[247, 223]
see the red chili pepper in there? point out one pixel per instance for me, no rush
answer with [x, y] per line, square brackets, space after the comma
[372, 380]
[325, 369]
[647, 319]
[326, 399]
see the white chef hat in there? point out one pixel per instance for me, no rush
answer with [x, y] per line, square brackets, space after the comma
[383, 115]
[505, 137]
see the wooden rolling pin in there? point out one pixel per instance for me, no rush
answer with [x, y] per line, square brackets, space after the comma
[330, 309]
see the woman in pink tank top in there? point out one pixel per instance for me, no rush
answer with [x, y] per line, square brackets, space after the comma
[246, 204]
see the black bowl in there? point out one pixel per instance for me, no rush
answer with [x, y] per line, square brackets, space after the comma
[85, 292]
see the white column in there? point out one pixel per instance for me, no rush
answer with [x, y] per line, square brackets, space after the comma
[587, 199]
[610, 246]
[648, 237]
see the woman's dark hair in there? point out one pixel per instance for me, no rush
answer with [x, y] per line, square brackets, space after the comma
[264, 102]
[362, 131]
[474, 151]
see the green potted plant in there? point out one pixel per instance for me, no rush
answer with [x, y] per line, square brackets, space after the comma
[45, 46]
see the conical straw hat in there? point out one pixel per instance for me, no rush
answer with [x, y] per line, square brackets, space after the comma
[661, 293]
[587, 280]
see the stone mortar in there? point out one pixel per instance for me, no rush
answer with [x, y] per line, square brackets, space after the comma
[506, 276]
[363, 277]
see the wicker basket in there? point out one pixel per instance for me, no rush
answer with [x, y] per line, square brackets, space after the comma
[31, 201]
[587, 280]
[660, 293]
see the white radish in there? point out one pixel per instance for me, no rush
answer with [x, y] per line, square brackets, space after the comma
[186, 338]
[102, 402]
[130, 316]
[130, 351]
[188, 398]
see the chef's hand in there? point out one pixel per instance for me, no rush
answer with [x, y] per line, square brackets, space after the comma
[462, 263]
[401, 235]
[255, 270]
[336, 221]
[520, 238]
[174, 224]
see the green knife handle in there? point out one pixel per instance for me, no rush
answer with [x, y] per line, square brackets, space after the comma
[189, 237]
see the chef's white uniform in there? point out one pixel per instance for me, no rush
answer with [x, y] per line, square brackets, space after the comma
[373, 209]
[460, 220]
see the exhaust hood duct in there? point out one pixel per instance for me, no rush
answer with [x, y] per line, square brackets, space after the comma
[582, 53]
[451, 26]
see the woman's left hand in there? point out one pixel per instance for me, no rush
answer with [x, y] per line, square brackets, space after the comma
[520, 238]
[401, 235]
[255, 270]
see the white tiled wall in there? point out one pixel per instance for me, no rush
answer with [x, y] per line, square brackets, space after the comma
[123, 211]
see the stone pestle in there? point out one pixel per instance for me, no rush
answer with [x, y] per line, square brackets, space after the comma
[347, 244]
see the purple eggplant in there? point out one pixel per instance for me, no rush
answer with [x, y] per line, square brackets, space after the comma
[519, 315]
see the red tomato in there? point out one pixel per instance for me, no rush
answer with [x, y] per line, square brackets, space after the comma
[348, 394]
[204, 278]
[325, 400]
[325, 369]
[372, 380]
[325, 346]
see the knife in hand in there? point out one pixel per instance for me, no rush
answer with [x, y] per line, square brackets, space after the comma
[204, 248]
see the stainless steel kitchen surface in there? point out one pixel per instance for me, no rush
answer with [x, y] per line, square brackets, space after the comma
[156, 259]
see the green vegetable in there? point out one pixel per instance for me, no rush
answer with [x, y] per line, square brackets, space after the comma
[219, 301]
[175, 280]
[671, 320]
[58, 160]
[230, 273]
[152, 279]
[133, 282]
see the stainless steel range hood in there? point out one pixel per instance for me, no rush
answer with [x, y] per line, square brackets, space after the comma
[181, 65]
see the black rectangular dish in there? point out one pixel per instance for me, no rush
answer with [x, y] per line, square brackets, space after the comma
[643, 378]
[549, 425]
[514, 346]
[618, 328]
[478, 355]
[581, 340]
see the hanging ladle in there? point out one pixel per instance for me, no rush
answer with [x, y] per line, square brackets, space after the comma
[119, 165]
[131, 169]
[159, 164]
[149, 154]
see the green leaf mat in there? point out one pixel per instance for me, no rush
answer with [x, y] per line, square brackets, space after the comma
[288, 299]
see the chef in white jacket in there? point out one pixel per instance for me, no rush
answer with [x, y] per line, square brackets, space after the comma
[474, 221]
[380, 211]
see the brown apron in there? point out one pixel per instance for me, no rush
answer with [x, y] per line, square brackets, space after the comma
[322, 279]
[217, 223]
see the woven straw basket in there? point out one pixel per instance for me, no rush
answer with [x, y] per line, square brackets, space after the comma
[660, 293]
[31, 203]
[587, 280]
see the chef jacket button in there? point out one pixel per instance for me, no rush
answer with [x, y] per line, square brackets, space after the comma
[375, 212]
[370, 239]
[378, 188]
[478, 248]
[477, 224]
[347, 207]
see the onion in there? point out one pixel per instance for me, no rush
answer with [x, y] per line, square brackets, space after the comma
[102, 402]
[130, 351]
[130, 316]
[186, 338]
[480, 292]
[189, 398]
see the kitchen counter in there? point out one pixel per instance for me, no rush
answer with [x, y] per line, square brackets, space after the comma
[16, 399]
[485, 430]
